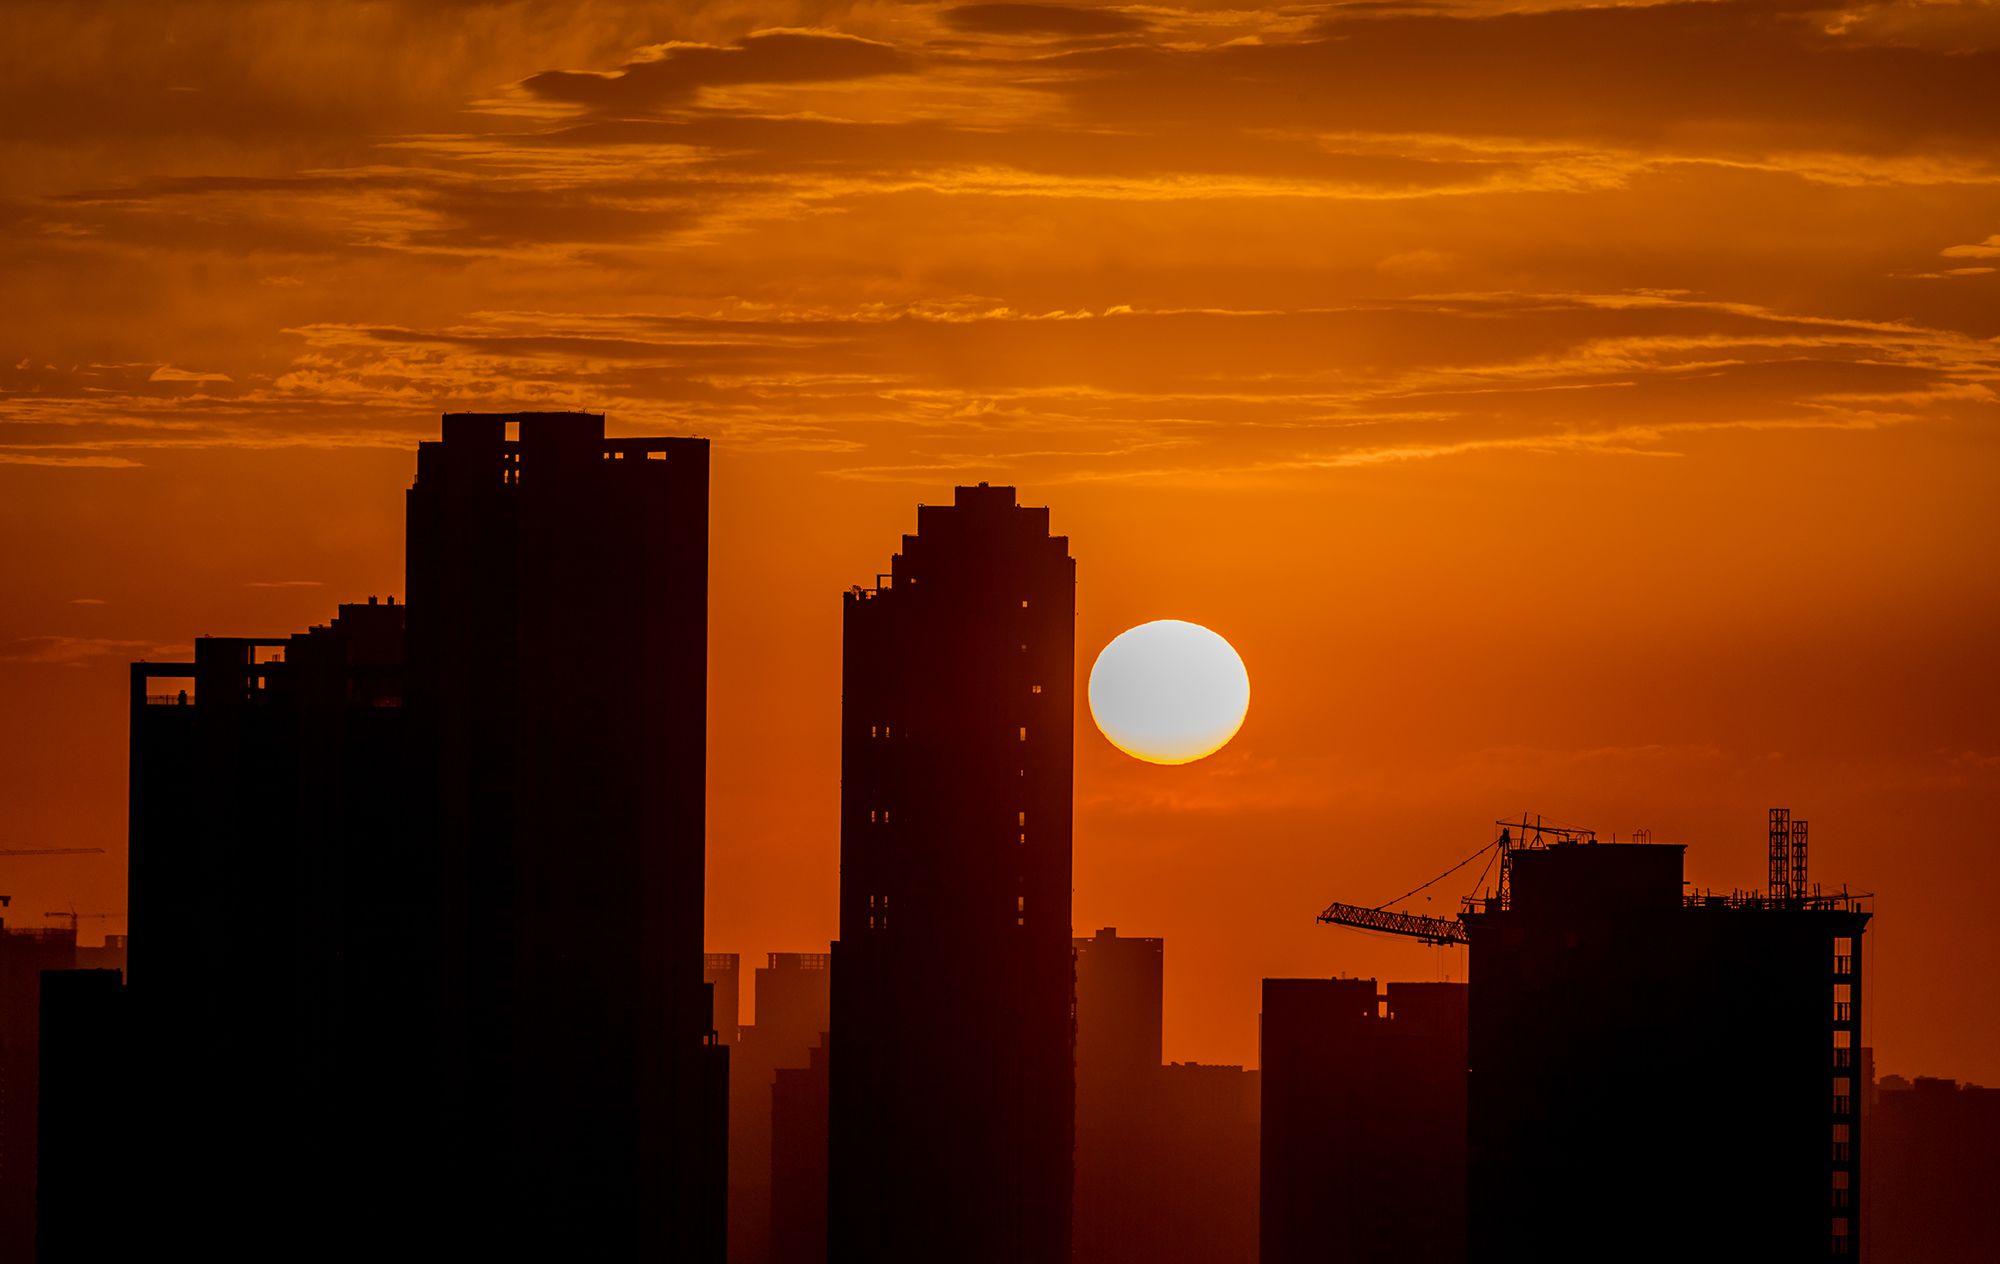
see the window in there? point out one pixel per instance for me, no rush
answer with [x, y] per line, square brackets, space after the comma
[1024, 732]
[1020, 818]
[1034, 688]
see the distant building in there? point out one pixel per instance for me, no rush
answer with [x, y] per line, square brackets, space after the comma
[951, 1077]
[1119, 993]
[1657, 1075]
[1166, 1156]
[1205, 1168]
[793, 997]
[722, 972]
[24, 955]
[1363, 1135]
[799, 1161]
[1931, 1172]
[109, 955]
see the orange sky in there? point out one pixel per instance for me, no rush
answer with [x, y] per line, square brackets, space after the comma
[1588, 411]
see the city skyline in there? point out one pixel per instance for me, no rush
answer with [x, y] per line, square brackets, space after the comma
[1583, 410]
[482, 809]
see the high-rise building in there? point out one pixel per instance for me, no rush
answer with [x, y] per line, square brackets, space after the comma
[951, 1078]
[270, 786]
[1363, 1135]
[558, 634]
[1657, 1074]
[478, 818]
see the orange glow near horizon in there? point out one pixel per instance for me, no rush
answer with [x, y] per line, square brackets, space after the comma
[1585, 409]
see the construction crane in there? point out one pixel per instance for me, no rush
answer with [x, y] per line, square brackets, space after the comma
[1523, 834]
[51, 851]
[75, 917]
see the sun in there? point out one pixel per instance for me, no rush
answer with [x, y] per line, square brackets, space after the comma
[1169, 692]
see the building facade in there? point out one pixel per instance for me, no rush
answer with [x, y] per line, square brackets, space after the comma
[1363, 1131]
[950, 1065]
[479, 819]
[1654, 1073]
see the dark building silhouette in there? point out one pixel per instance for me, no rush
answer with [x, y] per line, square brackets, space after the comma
[1166, 1156]
[1119, 1007]
[109, 955]
[1657, 1075]
[793, 997]
[558, 631]
[799, 1161]
[479, 818]
[1932, 1170]
[951, 1078]
[272, 778]
[24, 955]
[83, 1194]
[1364, 1116]
[1204, 1167]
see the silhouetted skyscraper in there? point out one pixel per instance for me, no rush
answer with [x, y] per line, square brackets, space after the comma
[1363, 1137]
[1656, 1075]
[558, 633]
[271, 784]
[484, 1028]
[951, 1078]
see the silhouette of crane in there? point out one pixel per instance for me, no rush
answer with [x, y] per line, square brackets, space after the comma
[51, 851]
[1514, 836]
[75, 917]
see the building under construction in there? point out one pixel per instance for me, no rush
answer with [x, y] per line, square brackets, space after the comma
[1656, 1073]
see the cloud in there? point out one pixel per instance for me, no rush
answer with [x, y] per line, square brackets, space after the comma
[672, 74]
[168, 373]
[1723, 78]
[1040, 19]
[1988, 249]
[77, 651]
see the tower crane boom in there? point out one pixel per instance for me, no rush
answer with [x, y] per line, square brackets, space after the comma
[1432, 930]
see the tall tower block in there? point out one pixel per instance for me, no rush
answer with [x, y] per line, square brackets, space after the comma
[951, 1076]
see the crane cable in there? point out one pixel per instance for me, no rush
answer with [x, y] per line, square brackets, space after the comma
[1441, 877]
